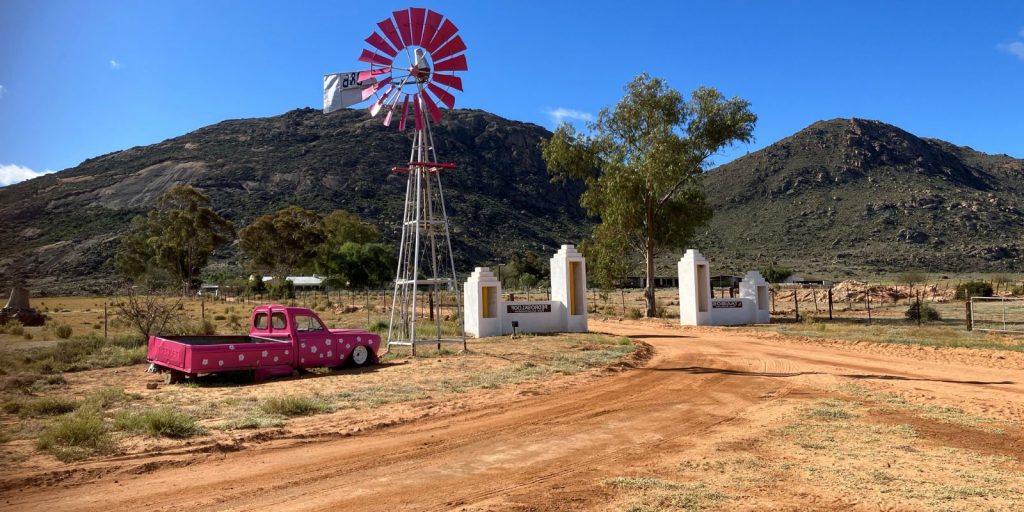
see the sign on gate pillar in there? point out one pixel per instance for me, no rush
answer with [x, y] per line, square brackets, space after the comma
[694, 289]
[569, 286]
[482, 299]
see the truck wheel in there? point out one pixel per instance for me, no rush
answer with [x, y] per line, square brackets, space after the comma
[173, 377]
[360, 355]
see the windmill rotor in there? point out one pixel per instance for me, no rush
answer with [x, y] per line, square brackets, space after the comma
[414, 56]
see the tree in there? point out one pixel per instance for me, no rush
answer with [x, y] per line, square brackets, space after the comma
[351, 256]
[341, 227]
[284, 242]
[356, 265]
[911, 278]
[642, 163]
[177, 237]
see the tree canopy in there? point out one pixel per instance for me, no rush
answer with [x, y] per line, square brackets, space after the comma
[174, 239]
[641, 162]
[284, 242]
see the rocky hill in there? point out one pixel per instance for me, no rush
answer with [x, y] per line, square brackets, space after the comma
[851, 196]
[838, 198]
[60, 230]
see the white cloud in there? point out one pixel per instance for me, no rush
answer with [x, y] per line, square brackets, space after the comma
[562, 114]
[1015, 48]
[3, 90]
[11, 174]
[115, 65]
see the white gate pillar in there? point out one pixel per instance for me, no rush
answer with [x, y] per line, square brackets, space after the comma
[569, 286]
[694, 289]
[754, 287]
[482, 300]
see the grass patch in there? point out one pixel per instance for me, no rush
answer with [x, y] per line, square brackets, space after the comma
[110, 396]
[946, 336]
[158, 422]
[294, 405]
[252, 421]
[76, 436]
[649, 494]
[829, 410]
[42, 406]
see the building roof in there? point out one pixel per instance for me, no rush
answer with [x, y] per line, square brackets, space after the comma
[300, 280]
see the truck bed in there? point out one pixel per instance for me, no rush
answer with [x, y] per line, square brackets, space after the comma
[225, 340]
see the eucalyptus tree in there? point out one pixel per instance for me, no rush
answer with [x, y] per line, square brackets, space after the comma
[642, 162]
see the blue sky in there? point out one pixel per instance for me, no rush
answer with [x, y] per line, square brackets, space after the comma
[79, 79]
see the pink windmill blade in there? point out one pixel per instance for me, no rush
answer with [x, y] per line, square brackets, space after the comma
[414, 56]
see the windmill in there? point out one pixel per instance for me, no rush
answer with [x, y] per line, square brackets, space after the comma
[414, 57]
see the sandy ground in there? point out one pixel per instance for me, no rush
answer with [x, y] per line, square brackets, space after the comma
[716, 418]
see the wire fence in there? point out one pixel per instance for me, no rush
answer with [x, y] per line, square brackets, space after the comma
[997, 314]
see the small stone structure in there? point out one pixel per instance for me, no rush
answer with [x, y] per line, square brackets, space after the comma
[18, 308]
[487, 314]
[697, 306]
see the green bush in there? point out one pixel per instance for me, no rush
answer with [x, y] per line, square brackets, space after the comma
[63, 331]
[970, 289]
[293, 405]
[219, 317]
[108, 396]
[925, 312]
[128, 341]
[775, 273]
[378, 327]
[636, 313]
[46, 406]
[282, 290]
[75, 436]
[159, 422]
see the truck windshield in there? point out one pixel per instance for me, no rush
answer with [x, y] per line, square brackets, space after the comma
[307, 323]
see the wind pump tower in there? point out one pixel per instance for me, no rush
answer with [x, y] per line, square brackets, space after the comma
[414, 58]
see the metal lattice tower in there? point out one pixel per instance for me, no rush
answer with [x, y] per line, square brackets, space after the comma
[425, 259]
[413, 61]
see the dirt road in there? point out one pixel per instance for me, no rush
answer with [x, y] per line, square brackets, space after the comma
[703, 390]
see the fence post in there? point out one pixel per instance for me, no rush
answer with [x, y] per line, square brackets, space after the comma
[796, 304]
[622, 293]
[830, 303]
[919, 312]
[970, 317]
[867, 297]
[104, 320]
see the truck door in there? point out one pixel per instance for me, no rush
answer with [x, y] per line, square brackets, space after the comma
[315, 347]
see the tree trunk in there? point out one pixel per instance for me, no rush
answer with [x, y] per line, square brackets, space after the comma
[652, 307]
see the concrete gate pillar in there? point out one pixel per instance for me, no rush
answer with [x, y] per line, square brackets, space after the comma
[482, 298]
[569, 286]
[694, 289]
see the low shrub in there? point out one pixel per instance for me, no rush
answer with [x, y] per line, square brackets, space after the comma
[45, 406]
[635, 313]
[109, 396]
[970, 289]
[63, 331]
[12, 327]
[75, 436]
[378, 327]
[159, 422]
[293, 405]
[27, 335]
[220, 317]
[923, 311]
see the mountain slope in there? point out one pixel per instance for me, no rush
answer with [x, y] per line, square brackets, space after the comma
[61, 229]
[846, 196]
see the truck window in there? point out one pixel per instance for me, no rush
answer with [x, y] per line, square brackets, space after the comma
[307, 324]
[277, 320]
[260, 322]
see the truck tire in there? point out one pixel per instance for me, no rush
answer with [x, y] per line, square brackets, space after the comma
[173, 377]
[361, 356]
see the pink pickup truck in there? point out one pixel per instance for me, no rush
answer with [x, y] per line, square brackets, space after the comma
[281, 340]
